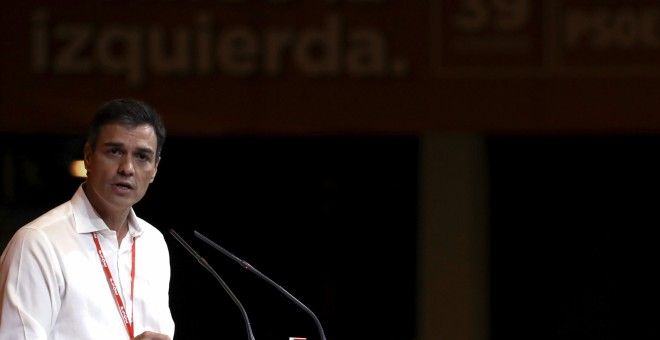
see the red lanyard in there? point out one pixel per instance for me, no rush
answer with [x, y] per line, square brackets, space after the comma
[113, 287]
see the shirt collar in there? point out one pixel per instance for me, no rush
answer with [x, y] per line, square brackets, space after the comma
[87, 219]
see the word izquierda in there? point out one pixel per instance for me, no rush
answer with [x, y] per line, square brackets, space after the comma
[138, 51]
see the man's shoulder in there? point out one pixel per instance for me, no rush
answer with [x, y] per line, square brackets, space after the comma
[52, 218]
[46, 231]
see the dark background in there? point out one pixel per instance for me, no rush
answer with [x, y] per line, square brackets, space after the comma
[574, 246]
[333, 220]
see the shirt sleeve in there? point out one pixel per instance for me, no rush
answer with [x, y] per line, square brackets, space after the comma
[29, 287]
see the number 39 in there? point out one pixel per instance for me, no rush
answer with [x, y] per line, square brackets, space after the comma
[502, 15]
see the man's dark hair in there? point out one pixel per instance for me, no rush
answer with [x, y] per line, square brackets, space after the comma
[129, 112]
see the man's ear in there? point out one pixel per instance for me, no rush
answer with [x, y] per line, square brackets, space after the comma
[153, 175]
[87, 154]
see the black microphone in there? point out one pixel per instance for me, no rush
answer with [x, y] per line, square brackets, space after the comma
[258, 273]
[205, 264]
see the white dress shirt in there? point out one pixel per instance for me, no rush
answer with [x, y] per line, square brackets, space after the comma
[53, 285]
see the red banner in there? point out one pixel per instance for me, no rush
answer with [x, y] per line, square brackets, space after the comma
[334, 66]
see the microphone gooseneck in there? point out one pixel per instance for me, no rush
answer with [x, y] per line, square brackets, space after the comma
[205, 264]
[264, 277]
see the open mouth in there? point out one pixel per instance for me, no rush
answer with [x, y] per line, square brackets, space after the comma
[124, 186]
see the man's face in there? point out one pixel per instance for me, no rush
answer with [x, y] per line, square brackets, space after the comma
[121, 168]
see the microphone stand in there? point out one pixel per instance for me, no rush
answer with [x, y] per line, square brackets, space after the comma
[264, 277]
[205, 264]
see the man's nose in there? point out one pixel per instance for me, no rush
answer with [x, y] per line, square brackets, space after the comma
[126, 166]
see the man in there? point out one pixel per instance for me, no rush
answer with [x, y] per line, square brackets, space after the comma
[90, 268]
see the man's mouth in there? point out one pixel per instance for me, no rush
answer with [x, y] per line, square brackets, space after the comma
[124, 185]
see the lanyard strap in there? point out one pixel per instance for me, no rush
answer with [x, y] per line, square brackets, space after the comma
[120, 303]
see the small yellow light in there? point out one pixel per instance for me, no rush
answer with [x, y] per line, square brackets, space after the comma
[78, 169]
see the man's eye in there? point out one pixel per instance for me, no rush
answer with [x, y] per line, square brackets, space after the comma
[143, 157]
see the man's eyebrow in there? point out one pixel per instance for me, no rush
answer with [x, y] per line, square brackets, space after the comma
[115, 144]
[146, 150]
[112, 145]
[120, 145]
